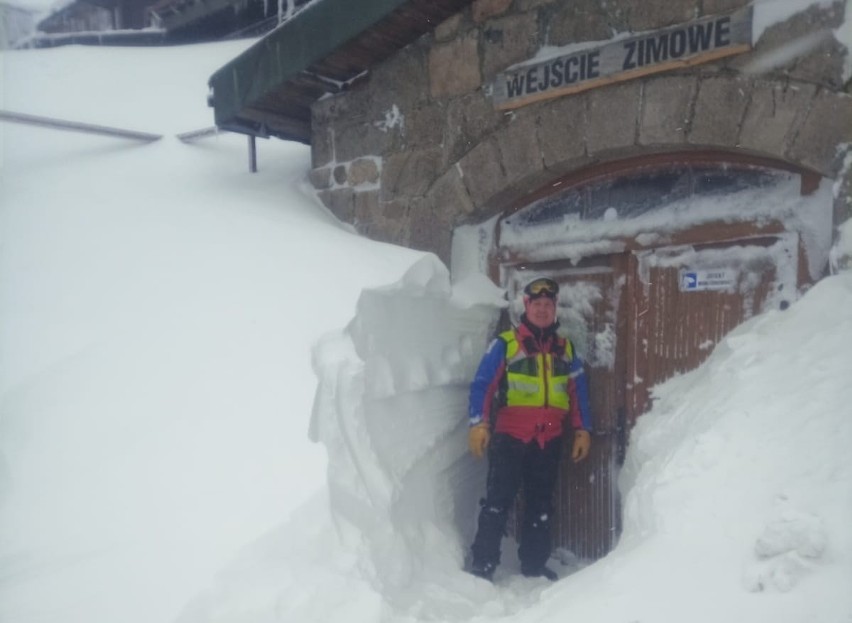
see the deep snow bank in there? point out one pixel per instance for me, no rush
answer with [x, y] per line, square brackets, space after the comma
[736, 485]
[388, 542]
[391, 409]
[737, 497]
[158, 306]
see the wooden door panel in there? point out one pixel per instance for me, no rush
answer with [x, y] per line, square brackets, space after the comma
[586, 500]
[677, 327]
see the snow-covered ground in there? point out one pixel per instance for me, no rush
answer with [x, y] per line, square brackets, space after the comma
[158, 308]
[167, 321]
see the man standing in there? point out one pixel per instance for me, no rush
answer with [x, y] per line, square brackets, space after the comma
[538, 382]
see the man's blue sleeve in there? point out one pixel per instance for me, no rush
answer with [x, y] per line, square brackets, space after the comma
[581, 384]
[484, 383]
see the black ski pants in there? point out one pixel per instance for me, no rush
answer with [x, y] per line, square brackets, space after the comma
[511, 463]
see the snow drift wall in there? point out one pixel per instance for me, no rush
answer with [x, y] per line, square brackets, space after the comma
[391, 407]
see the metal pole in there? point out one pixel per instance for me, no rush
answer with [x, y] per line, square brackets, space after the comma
[252, 145]
[189, 137]
[76, 126]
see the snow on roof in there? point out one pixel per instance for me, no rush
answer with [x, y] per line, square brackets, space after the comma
[20, 6]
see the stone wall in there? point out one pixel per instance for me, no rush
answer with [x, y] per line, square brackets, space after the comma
[418, 147]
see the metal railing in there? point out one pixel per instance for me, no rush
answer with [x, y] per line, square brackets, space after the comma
[77, 126]
[101, 130]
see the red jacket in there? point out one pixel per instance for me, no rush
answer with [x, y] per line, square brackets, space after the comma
[524, 422]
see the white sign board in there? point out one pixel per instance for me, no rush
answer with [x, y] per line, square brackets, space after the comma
[701, 41]
[703, 280]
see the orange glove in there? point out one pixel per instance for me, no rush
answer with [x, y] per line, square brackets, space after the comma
[582, 443]
[477, 439]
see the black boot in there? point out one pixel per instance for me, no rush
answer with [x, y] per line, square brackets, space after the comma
[541, 572]
[486, 545]
[484, 571]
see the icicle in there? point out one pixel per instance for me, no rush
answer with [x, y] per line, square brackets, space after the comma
[284, 15]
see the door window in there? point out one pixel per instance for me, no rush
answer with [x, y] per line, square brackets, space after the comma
[641, 192]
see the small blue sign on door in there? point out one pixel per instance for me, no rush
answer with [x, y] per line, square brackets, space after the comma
[702, 280]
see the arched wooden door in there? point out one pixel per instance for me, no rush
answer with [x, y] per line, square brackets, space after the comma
[655, 297]
[638, 318]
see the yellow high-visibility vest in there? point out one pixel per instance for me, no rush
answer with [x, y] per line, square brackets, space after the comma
[538, 380]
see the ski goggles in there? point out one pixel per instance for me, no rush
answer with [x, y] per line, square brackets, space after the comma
[542, 287]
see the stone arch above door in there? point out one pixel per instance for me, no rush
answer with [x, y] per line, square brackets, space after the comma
[540, 143]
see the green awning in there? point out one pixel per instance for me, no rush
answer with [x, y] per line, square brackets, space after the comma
[268, 89]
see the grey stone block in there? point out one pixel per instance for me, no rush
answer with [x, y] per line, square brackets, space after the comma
[361, 139]
[427, 235]
[611, 117]
[774, 115]
[666, 105]
[323, 111]
[518, 192]
[584, 20]
[449, 196]
[468, 120]
[719, 7]
[363, 171]
[423, 126]
[454, 67]
[481, 172]
[395, 210]
[816, 144]
[654, 14]
[823, 65]
[719, 109]
[561, 130]
[355, 106]
[508, 40]
[482, 10]
[339, 174]
[449, 28]
[381, 220]
[382, 231]
[320, 178]
[520, 152]
[367, 206]
[528, 5]
[403, 80]
[340, 202]
[322, 151]
[410, 173]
